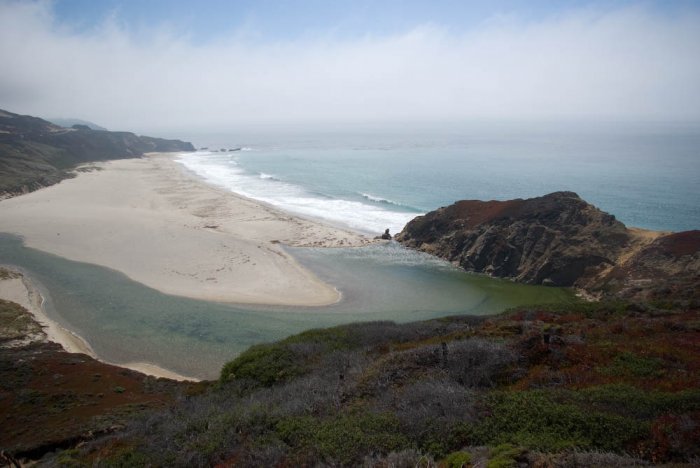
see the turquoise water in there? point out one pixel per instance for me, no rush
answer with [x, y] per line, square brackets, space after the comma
[647, 175]
[125, 321]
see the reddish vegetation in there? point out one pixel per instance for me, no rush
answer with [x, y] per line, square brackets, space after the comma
[680, 243]
[50, 398]
[655, 352]
[476, 212]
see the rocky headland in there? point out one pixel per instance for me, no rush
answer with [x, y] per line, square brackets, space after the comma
[559, 239]
[35, 153]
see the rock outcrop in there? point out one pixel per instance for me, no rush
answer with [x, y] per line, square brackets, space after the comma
[557, 239]
[35, 153]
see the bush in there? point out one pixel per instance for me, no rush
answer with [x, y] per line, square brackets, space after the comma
[404, 459]
[478, 363]
[631, 365]
[535, 420]
[505, 456]
[345, 439]
[263, 365]
[635, 402]
[436, 415]
[457, 460]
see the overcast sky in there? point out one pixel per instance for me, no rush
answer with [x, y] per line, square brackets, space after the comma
[157, 65]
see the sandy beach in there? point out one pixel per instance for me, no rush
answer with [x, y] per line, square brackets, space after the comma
[161, 226]
[20, 289]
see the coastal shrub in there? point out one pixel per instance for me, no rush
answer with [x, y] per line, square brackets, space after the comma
[345, 439]
[535, 420]
[632, 365]
[478, 363]
[409, 458]
[126, 457]
[589, 459]
[369, 335]
[505, 456]
[457, 460]
[263, 365]
[636, 402]
[435, 414]
[472, 363]
[334, 338]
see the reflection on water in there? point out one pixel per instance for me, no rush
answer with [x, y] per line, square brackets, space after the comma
[125, 321]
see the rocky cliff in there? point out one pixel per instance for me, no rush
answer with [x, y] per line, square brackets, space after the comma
[557, 239]
[35, 153]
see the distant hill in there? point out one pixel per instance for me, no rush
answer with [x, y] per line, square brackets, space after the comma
[35, 153]
[70, 122]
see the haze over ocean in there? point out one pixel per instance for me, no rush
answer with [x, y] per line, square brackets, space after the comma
[645, 174]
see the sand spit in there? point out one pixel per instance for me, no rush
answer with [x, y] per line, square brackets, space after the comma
[162, 226]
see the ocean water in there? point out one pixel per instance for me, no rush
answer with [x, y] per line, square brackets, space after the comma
[647, 175]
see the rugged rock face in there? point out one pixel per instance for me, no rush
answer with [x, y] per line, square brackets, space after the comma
[557, 239]
[35, 153]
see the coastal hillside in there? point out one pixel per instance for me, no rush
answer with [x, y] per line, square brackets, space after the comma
[51, 399]
[584, 385]
[560, 240]
[35, 153]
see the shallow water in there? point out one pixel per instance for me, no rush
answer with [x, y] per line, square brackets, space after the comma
[125, 321]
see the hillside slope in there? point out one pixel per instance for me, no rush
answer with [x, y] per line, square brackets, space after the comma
[35, 153]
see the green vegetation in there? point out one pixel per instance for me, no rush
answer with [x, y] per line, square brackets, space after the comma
[457, 460]
[576, 385]
[535, 419]
[631, 364]
[505, 456]
[344, 438]
[263, 365]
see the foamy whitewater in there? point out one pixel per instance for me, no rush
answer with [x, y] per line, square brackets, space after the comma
[647, 175]
[224, 170]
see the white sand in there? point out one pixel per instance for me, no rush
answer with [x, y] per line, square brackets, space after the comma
[153, 221]
[21, 291]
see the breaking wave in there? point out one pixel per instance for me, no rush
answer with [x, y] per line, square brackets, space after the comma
[225, 172]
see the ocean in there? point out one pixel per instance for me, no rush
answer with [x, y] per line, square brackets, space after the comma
[647, 175]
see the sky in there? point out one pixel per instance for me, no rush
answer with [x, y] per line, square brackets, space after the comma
[213, 65]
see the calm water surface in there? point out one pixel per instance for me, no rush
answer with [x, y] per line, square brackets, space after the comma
[125, 321]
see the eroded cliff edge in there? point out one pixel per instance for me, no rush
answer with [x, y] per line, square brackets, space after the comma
[559, 239]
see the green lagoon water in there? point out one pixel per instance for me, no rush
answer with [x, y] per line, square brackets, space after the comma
[125, 321]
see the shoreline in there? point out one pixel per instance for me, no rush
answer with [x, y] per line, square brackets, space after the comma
[20, 289]
[162, 226]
